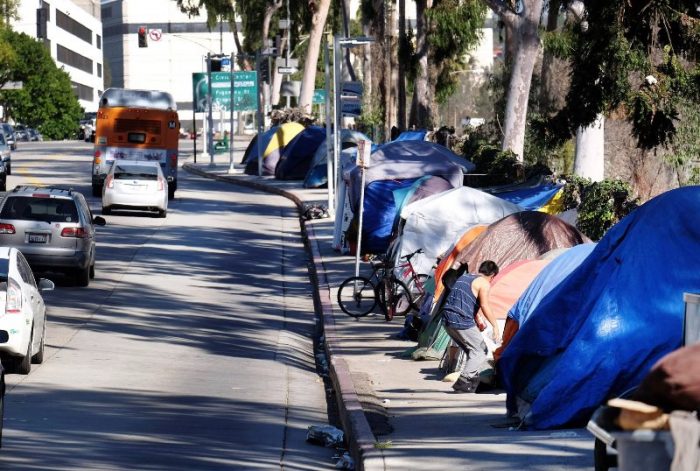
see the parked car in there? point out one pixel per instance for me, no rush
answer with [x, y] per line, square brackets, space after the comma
[53, 227]
[34, 135]
[21, 133]
[5, 162]
[9, 132]
[23, 315]
[135, 184]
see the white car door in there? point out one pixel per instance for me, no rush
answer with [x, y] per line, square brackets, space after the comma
[33, 296]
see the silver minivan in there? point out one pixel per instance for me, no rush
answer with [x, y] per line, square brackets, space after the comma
[54, 229]
[9, 132]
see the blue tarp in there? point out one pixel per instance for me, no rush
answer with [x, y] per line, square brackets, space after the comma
[417, 135]
[252, 150]
[554, 273]
[601, 329]
[380, 212]
[530, 198]
[296, 157]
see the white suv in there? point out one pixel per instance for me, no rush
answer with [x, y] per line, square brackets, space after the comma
[23, 313]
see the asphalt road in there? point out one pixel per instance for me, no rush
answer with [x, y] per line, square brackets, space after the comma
[191, 349]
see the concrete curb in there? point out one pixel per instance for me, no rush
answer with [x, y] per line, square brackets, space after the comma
[359, 436]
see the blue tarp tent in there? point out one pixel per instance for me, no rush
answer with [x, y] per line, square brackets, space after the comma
[530, 198]
[317, 176]
[295, 158]
[417, 135]
[597, 334]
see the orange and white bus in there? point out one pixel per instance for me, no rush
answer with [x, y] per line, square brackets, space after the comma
[136, 125]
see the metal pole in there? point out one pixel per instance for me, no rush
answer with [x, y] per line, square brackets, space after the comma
[337, 120]
[210, 118]
[359, 227]
[194, 129]
[230, 133]
[330, 175]
[260, 115]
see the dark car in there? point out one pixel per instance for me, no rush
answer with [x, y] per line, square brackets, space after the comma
[21, 133]
[34, 135]
[9, 132]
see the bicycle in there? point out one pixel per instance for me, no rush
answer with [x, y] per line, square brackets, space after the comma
[359, 295]
[415, 286]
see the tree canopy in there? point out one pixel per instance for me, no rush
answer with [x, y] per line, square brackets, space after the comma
[46, 101]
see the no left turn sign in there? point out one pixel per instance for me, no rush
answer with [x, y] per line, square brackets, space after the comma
[155, 34]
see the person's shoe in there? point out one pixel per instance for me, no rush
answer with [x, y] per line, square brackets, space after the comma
[465, 386]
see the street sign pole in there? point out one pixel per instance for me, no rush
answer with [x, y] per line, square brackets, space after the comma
[337, 124]
[210, 118]
[230, 134]
[260, 115]
[363, 155]
[330, 175]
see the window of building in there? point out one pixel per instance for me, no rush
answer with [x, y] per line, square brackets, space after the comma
[99, 70]
[46, 6]
[98, 40]
[67, 23]
[73, 59]
[107, 11]
[83, 92]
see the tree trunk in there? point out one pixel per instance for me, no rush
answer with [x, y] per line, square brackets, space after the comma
[269, 12]
[308, 80]
[589, 161]
[401, 86]
[420, 107]
[521, 78]
[390, 73]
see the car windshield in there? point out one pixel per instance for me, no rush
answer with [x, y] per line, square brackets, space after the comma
[29, 208]
[135, 172]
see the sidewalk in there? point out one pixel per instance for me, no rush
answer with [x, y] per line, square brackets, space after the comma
[397, 414]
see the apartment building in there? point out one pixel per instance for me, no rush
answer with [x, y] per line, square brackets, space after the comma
[72, 32]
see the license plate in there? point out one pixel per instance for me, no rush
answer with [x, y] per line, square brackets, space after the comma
[38, 238]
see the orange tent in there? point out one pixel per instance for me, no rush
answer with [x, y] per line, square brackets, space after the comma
[446, 262]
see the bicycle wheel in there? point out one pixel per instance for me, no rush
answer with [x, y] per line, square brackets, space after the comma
[417, 288]
[356, 296]
[394, 297]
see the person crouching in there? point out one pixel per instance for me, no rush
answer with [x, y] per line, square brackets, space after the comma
[467, 295]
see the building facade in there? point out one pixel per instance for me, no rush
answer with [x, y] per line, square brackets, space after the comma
[176, 47]
[72, 32]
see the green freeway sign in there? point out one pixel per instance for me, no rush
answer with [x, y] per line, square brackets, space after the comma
[319, 96]
[245, 90]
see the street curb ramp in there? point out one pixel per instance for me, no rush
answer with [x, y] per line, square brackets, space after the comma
[359, 437]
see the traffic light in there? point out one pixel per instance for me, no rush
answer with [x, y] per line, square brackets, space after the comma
[143, 38]
[265, 70]
[215, 64]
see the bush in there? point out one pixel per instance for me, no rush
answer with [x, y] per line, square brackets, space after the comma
[600, 204]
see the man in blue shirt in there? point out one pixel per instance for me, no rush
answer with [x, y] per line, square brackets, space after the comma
[468, 294]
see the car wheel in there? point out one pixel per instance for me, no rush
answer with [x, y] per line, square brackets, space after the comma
[8, 169]
[162, 213]
[171, 192]
[38, 357]
[82, 276]
[23, 365]
[2, 403]
[106, 210]
[96, 190]
[92, 271]
[3, 186]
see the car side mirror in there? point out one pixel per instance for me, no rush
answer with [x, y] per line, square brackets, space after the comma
[99, 221]
[46, 285]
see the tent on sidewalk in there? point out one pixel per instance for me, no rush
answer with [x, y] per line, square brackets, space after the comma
[598, 332]
[520, 236]
[398, 162]
[282, 136]
[296, 157]
[317, 176]
[251, 151]
[435, 223]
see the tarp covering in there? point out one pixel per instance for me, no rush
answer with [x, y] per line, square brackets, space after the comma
[283, 135]
[597, 334]
[531, 198]
[407, 160]
[295, 159]
[435, 223]
[384, 200]
[417, 135]
[520, 236]
[252, 150]
[317, 175]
